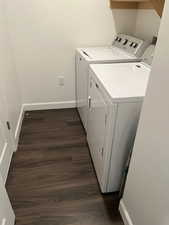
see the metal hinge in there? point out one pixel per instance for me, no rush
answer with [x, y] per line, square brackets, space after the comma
[89, 99]
[105, 118]
[97, 85]
[8, 125]
[102, 152]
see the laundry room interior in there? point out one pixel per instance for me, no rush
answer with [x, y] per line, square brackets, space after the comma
[83, 113]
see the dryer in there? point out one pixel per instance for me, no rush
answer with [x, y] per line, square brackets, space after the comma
[116, 93]
[125, 48]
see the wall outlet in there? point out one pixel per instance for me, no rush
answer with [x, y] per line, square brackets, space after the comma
[61, 80]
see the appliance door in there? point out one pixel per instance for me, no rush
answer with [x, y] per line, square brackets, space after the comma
[82, 88]
[96, 128]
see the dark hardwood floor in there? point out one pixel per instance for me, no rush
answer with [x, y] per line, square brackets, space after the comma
[51, 179]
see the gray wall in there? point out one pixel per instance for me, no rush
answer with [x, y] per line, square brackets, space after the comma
[146, 200]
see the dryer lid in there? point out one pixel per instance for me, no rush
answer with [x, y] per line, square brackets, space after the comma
[105, 54]
[122, 81]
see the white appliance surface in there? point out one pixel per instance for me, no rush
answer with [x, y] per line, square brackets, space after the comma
[106, 53]
[116, 93]
[111, 130]
[124, 49]
[123, 81]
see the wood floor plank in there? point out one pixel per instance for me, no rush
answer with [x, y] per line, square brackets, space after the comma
[52, 180]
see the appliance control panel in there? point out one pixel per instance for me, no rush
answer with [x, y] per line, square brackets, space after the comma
[130, 44]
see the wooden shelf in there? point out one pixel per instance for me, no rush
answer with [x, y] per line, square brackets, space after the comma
[123, 5]
[131, 1]
[158, 5]
[145, 5]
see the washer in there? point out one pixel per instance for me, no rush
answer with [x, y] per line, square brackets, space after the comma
[116, 93]
[125, 48]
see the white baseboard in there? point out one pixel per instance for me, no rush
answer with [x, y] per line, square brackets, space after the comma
[124, 214]
[18, 127]
[49, 105]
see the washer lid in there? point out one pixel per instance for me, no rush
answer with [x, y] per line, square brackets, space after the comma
[106, 53]
[122, 81]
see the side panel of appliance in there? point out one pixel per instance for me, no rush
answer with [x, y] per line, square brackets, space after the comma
[82, 68]
[96, 128]
[128, 114]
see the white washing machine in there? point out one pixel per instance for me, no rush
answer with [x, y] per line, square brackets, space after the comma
[116, 93]
[124, 49]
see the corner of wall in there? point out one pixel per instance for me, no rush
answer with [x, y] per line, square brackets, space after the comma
[124, 20]
[147, 24]
[18, 127]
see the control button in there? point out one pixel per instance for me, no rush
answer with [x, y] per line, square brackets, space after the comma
[119, 40]
[116, 39]
[135, 45]
[131, 44]
[125, 42]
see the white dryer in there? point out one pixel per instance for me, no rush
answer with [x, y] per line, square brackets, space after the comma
[116, 93]
[125, 48]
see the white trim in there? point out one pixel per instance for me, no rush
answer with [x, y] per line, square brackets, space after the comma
[49, 105]
[3, 153]
[18, 127]
[3, 221]
[124, 214]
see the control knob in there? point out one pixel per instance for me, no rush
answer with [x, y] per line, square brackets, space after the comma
[119, 40]
[135, 45]
[125, 42]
